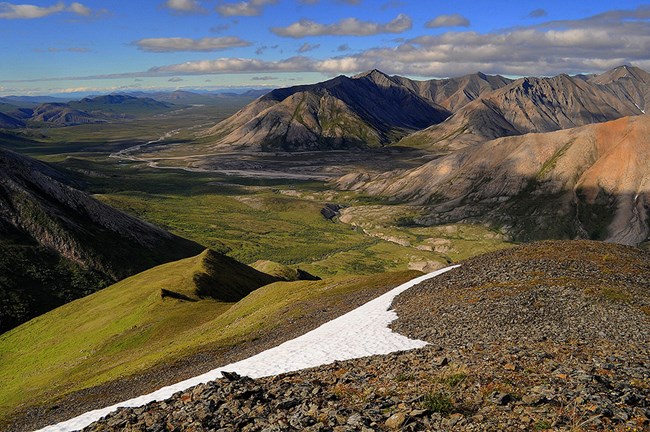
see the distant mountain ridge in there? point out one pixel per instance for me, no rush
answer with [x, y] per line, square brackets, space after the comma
[99, 109]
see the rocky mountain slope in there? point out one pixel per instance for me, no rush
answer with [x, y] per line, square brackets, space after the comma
[588, 182]
[455, 93]
[65, 244]
[370, 109]
[540, 105]
[374, 109]
[538, 337]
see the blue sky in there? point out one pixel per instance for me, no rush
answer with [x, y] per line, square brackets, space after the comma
[97, 46]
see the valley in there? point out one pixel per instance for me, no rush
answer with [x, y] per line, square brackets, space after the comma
[262, 206]
[283, 211]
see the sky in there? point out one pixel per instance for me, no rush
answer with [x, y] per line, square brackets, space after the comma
[93, 46]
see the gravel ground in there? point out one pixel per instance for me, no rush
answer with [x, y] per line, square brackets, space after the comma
[549, 336]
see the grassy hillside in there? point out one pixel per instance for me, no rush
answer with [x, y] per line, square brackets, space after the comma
[130, 327]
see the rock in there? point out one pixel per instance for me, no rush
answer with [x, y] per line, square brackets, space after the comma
[500, 398]
[330, 211]
[396, 420]
[440, 361]
[230, 376]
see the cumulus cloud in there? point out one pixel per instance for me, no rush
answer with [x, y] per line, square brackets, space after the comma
[80, 9]
[308, 47]
[343, 48]
[344, 27]
[176, 44]
[244, 8]
[175, 79]
[27, 11]
[184, 6]
[593, 44]
[234, 65]
[454, 20]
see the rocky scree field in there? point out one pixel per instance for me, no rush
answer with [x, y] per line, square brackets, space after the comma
[548, 336]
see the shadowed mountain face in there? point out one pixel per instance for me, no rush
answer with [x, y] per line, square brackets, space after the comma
[367, 110]
[540, 105]
[59, 243]
[455, 93]
[9, 122]
[59, 114]
[587, 182]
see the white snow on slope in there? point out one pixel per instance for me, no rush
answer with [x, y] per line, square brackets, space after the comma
[359, 333]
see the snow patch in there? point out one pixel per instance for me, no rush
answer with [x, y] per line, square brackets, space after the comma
[359, 333]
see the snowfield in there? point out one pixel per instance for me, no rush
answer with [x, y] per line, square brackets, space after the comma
[359, 333]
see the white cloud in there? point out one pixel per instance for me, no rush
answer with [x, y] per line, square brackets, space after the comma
[235, 65]
[244, 8]
[344, 27]
[175, 44]
[27, 11]
[592, 44]
[184, 6]
[80, 9]
[454, 20]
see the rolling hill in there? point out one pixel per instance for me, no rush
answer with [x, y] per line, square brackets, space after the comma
[586, 182]
[135, 335]
[60, 244]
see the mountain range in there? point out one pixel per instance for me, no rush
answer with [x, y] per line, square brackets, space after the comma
[373, 109]
[18, 113]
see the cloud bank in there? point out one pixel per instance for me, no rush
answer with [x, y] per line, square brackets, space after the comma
[176, 44]
[344, 27]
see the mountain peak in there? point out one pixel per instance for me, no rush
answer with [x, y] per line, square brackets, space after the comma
[373, 73]
[621, 72]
